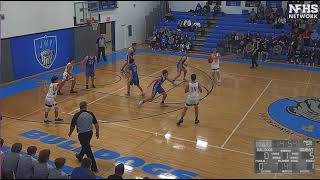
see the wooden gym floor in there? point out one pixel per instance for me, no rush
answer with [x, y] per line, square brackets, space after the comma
[230, 117]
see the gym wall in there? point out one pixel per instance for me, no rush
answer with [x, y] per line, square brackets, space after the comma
[26, 21]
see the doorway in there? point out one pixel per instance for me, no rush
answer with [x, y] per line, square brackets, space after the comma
[108, 29]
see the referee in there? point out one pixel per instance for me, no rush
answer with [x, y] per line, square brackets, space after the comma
[101, 44]
[83, 120]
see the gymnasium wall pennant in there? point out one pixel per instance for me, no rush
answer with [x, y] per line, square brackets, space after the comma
[45, 50]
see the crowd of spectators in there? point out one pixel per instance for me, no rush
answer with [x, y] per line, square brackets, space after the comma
[179, 39]
[301, 46]
[16, 165]
[165, 39]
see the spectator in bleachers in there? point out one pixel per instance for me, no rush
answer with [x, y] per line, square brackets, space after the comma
[253, 16]
[306, 37]
[280, 22]
[283, 39]
[300, 40]
[163, 42]
[8, 175]
[189, 45]
[264, 52]
[297, 55]
[196, 25]
[169, 16]
[11, 159]
[180, 25]
[56, 173]
[291, 51]
[84, 171]
[279, 12]
[274, 40]
[26, 164]
[302, 26]
[206, 8]
[269, 15]
[41, 168]
[171, 42]
[198, 10]
[248, 37]
[118, 172]
[187, 24]
[216, 9]
[260, 12]
[258, 36]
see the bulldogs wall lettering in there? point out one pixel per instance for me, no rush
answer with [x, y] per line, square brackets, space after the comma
[45, 49]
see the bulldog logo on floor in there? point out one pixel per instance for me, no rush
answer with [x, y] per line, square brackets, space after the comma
[308, 108]
[300, 114]
[45, 49]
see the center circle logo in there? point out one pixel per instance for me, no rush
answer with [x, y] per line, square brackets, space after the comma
[299, 114]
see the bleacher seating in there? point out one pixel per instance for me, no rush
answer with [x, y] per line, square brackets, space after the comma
[181, 16]
[238, 23]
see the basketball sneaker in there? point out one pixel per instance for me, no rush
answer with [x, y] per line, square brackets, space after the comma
[180, 122]
[47, 121]
[163, 105]
[140, 103]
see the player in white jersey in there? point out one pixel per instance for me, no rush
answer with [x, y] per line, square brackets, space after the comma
[50, 102]
[68, 76]
[194, 89]
[215, 66]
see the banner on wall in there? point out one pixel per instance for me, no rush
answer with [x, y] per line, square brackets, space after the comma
[37, 53]
[274, 4]
[233, 3]
[252, 3]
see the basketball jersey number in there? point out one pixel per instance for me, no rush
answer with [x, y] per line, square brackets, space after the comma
[193, 89]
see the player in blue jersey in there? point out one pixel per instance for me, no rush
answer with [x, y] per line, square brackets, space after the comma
[157, 88]
[133, 78]
[89, 63]
[181, 66]
[131, 52]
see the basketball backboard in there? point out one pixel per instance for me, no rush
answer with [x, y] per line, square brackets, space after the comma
[84, 11]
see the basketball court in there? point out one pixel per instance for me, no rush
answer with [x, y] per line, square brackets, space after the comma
[275, 101]
[232, 116]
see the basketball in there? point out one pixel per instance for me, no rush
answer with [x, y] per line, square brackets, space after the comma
[210, 60]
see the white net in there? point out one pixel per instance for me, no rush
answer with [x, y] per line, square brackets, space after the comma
[94, 26]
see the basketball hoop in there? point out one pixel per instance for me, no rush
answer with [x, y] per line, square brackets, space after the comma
[93, 23]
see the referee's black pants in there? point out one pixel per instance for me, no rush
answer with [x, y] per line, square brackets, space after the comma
[85, 139]
[103, 51]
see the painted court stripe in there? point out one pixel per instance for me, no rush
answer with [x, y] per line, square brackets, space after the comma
[256, 101]
[71, 112]
[176, 138]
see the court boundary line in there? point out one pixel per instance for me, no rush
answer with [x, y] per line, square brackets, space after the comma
[275, 79]
[243, 118]
[71, 112]
[177, 138]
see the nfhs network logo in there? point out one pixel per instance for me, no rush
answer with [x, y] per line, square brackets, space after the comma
[304, 11]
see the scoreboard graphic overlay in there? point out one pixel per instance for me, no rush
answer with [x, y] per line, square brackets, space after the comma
[284, 156]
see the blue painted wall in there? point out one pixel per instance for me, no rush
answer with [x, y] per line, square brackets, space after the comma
[24, 59]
